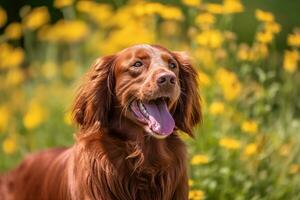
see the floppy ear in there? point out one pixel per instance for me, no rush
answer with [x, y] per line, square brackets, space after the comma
[93, 102]
[188, 110]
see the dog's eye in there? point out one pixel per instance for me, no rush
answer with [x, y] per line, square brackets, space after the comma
[172, 65]
[137, 64]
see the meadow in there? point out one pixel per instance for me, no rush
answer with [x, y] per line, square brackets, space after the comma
[248, 145]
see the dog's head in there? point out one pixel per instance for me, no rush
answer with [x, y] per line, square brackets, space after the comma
[148, 84]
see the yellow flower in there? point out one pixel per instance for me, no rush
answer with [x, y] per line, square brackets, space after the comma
[216, 108]
[203, 79]
[97, 12]
[65, 31]
[171, 13]
[249, 126]
[205, 19]
[264, 16]
[49, 70]
[233, 6]
[9, 56]
[214, 8]
[14, 77]
[4, 117]
[34, 116]
[294, 39]
[190, 182]
[3, 17]
[9, 145]
[294, 168]
[191, 3]
[13, 31]
[36, 18]
[230, 143]
[62, 3]
[68, 118]
[272, 27]
[243, 52]
[250, 149]
[199, 159]
[258, 51]
[210, 38]
[229, 82]
[205, 56]
[290, 61]
[196, 195]
[264, 37]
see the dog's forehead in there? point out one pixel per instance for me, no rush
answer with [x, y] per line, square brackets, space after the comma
[144, 50]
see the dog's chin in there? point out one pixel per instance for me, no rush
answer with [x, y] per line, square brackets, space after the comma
[154, 116]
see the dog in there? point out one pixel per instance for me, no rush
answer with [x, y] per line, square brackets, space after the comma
[129, 111]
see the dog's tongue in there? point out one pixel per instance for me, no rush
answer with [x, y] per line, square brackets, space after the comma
[160, 120]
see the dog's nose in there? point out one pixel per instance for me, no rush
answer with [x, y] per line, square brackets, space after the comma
[166, 79]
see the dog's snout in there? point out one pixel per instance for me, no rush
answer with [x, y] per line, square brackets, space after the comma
[166, 79]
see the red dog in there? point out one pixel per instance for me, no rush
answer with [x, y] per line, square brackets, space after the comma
[128, 110]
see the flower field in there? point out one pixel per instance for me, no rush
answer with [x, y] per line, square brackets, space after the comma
[248, 146]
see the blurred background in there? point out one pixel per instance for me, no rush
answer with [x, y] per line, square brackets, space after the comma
[246, 53]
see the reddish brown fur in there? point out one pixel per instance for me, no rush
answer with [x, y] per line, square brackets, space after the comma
[113, 157]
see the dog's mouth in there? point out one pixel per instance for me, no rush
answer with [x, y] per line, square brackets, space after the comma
[155, 115]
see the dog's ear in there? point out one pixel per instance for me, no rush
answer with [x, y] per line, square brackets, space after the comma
[188, 110]
[93, 102]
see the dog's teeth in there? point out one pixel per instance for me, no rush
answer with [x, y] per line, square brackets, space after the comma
[143, 109]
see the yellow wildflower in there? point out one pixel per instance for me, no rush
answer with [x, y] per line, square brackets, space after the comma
[210, 38]
[190, 182]
[272, 27]
[9, 145]
[249, 126]
[199, 159]
[205, 56]
[290, 61]
[243, 52]
[232, 6]
[13, 31]
[14, 77]
[36, 18]
[205, 19]
[196, 195]
[4, 117]
[214, 8]
[294, 168]
[97, 12]
[216, 108]
[34, 116]
[294, 39]
[169, 28]
[264, 16]
[250, 149]
[171, 12]
[62, 3]
[68, 118]
[66, 31]
[258, 51]
[229, 82]
[9, 56]
[49, 70]
[230, 143]
[191, 3]
[264, 37]
[3, 17]
[203, 79]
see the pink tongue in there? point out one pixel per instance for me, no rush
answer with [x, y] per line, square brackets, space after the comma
[160, 120]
